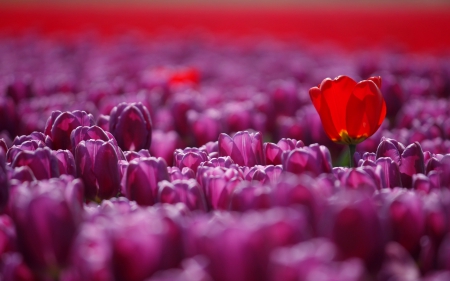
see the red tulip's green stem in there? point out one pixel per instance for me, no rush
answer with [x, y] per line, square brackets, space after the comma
[352, 148]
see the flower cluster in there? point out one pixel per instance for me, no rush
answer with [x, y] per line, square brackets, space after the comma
[180, 160]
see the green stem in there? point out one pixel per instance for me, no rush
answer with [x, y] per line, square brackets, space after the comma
[352, 148]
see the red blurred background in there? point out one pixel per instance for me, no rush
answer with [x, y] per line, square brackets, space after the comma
[413, 25]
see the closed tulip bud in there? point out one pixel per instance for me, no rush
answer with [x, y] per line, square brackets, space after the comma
[244, 148]
[131, 125]
[273, 152]
[46, 223]
[97, 166]
[407, 220]
[61, 124]
[188, 192]
[66, 162]
[189, 157]
[264, 174]
[304, 160]
[218, 184]
[412, 162]
[87, 133]
[142, 177]
[185, 173]
[390, 148]
[37, 136]
[30, 145]
[164, 144]
[92, 254]
[41, 161]
[390, 170]
[251, 196]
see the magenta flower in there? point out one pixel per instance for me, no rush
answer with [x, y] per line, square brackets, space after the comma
[188, 192]
[189, 157]
[41, 161]
[142, 177]
[244, 148]
[97, 166]
[131, 125]
[60, 125]
[273, 152]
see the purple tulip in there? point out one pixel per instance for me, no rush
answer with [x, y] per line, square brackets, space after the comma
[407, 220]
[36, 136]
[41, 161]
[189, 157]
[185, 173]
[412, 163]
[87, 133]
[314, 159]
[353, 225]
[263, 174]
[251, 196]
[205, 126]
[103, 122]
[142, 177]
[61, 124]
[3, 145]
[225, 162]
[164, 144]
[92, 254]
[131, 125]
[273, 152]
[7, 235]
[188, 192]
[244, 148]
[97, 166]
[437, 222]
[46, 219]
[192, 269]
[218, 184]
[4, 182]
[397, 264]
[390, 171]
[390, 148]
[30, 145]
[66, 162]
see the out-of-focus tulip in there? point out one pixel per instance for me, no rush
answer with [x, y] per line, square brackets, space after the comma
[164, 144]
[7, 235]
[273, 152]
[206, 126]
[224, 162]
[30, 145]
[391, 171]
[103, 122]
[131, 125]
[263, 174]
[142, 177]
[188, 192]
[15, 269]
[398, 264]
[350, 111]
[41, 161]
[361, 179]
[60, 125]
[251, 196]
[4, 183]
[407, 220]
[192, 269]
[97, 166]
[189, 157]
[36, 136]
[46, 219]
[131, 155]
[244, 148]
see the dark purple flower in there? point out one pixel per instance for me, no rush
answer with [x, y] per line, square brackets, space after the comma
[103, 122]
[184, 174]
[189, 157]
[41, 161]
[131, 125]
[251, 196]
[30, 145]
[407, 220]
[205, 126]
[398, 264]
[87, 133]
[66, 162]
[188, 192]
[273, 152]
[225, 162]
[46, 219]
[15, 269]
[36, 136]
[61, 124]
[314, 159]
[244, 148]
[142, 177]
[218, 184]
[97, 166]
[164, 144]
[131, 155]
[390, 170]
[412, 162]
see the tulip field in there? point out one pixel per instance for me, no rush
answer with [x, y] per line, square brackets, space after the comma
[205, 158]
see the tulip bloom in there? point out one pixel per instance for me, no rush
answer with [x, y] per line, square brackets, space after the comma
[350, 112]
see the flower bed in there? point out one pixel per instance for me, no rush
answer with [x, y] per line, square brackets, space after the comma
[205, 159]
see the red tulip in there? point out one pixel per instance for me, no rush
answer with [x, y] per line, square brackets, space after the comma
[350, 112]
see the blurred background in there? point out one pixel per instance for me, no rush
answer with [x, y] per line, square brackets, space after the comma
[419, 25]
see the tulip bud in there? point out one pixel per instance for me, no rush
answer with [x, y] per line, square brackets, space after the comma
[188, 192]
[46, 223]
[41, 161]
[305, 160]
[131, 125]
[66, 162]
[30, 145]
[142, 177]
[412, 162]
[244, 148]
[218, 184]
[273, 151]
[87, 133]
[164, 144]
[251, 196]
[185, 174]
[61, 124]
[189, 157]
[103, 122]
[390, 170]
[97, 166]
